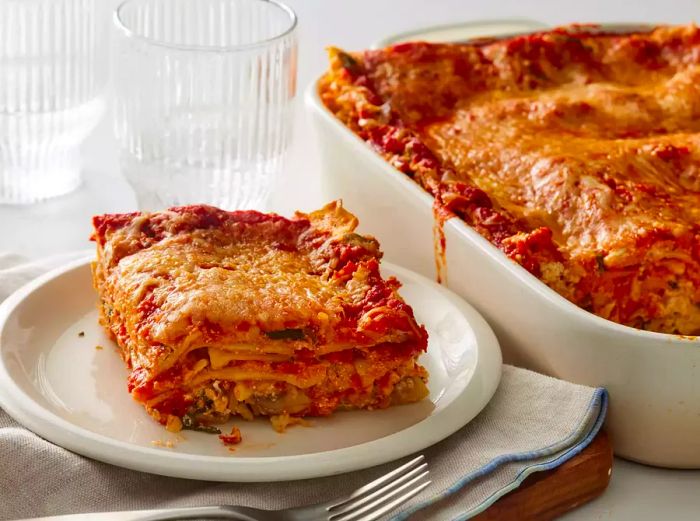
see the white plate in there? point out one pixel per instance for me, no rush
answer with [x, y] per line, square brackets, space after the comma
[56, 383]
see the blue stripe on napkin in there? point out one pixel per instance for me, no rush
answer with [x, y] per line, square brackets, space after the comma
[566, 449]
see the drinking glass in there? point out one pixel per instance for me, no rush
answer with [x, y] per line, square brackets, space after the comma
[52, 73]
[204, 92]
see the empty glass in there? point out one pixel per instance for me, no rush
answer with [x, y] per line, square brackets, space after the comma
[52, 73]
[203, 99]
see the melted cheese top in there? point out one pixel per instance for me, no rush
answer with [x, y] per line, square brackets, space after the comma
[252, 285]
[204, 281]
[595, 137]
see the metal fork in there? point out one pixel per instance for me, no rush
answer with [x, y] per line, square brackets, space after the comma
[367, 503]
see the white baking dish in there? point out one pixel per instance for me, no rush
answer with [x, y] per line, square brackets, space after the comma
[653, 378]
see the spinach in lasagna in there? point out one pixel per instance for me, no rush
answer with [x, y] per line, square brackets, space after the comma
[574, 151]
[220, 314]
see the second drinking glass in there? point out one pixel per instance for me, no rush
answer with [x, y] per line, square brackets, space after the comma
[203, 99]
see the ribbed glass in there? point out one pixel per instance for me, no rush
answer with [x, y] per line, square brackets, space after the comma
[203, 99]
[52, 72]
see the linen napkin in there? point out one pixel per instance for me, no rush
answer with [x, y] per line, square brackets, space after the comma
[533, 423]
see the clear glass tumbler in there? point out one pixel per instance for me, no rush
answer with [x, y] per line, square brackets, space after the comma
[204, 92]
[53, 57]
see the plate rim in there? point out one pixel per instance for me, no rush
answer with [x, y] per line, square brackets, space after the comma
[417, 437]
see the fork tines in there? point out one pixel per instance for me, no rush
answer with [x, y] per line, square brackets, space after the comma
[383, 494]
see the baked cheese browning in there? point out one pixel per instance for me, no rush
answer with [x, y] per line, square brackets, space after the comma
[576, 153]
[198, 298]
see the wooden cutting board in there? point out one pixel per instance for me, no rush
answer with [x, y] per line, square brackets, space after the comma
[548, 495]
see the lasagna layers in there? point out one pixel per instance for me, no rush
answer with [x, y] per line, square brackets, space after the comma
[241, 313]
[574, 151]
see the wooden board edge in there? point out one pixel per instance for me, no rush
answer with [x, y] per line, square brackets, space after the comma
[547, 495]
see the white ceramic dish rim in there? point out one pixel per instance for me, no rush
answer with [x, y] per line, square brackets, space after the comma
[403, 36]
[313, 100]
[622, 27]
[255, 469]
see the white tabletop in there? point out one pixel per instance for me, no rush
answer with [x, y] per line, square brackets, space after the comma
[636, 492]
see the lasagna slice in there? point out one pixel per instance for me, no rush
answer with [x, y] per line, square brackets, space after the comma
[220, 314]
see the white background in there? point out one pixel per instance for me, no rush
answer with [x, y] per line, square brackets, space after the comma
[636, 492]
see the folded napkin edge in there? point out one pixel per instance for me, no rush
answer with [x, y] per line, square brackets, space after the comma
[601, 397]
[599, 400]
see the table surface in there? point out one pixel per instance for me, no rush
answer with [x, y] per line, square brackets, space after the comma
[636, 492]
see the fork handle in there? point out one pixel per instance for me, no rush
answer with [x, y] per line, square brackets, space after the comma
[217, 512]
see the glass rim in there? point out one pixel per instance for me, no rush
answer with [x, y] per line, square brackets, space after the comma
[130, 33]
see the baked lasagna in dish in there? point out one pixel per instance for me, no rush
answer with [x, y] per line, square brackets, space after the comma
[220, 314]
[574, 151]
